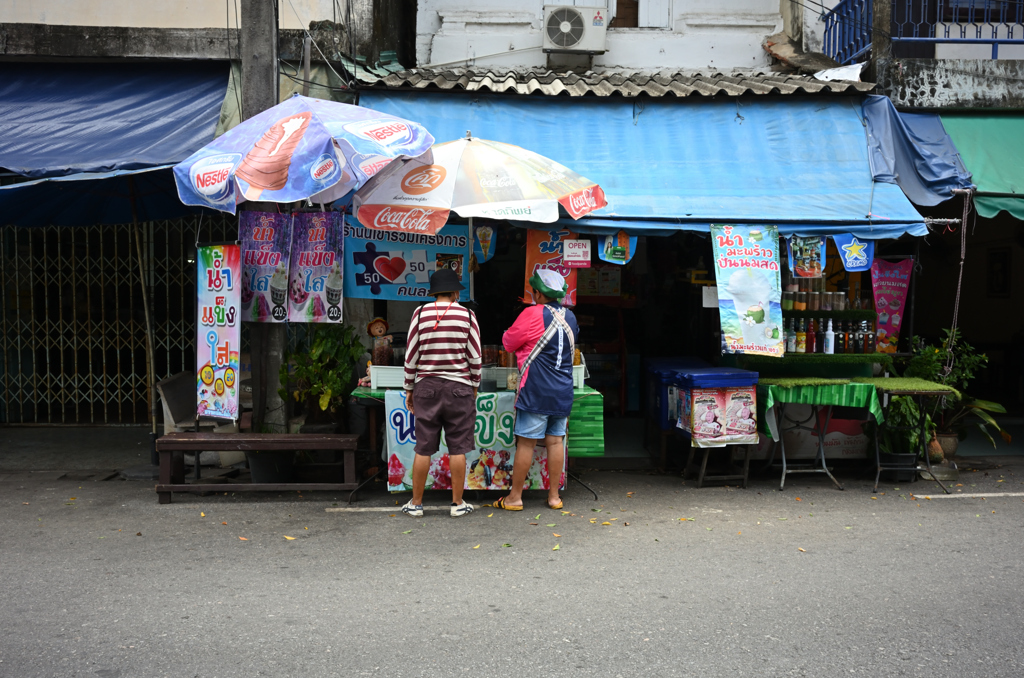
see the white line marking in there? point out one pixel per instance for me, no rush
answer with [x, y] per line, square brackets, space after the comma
[973, 495]
[381, 509]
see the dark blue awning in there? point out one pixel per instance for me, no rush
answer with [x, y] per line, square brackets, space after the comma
[62, 119]
[666, 164]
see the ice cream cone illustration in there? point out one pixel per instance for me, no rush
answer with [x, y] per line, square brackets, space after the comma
[265, 167]
[484, 234]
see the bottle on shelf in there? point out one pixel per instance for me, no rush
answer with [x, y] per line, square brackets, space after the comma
[801, 337]
[830, 339]
[811, 345]
[819, 336]
[858, 340]
[869, 338]
[840, 338]
[791, 336]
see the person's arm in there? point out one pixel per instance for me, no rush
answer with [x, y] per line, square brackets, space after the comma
[520, 332]
[412, 351]
[473, 352]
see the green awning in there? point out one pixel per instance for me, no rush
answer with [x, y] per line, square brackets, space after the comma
[992, 149]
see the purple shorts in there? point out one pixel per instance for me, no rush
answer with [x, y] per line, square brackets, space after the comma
[448, 405]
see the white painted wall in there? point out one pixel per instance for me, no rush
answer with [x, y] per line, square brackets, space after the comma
[723, 35]
[157, 13]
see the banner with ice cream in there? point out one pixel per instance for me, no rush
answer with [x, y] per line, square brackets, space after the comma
[890, 283]
[488, 465]
[266, 242]
[315, 280]
[218, 330]
[397, 265]
[484, 239]
[749, 289]
[545, 249]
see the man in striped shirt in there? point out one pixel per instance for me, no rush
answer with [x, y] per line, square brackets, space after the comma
[442, 374]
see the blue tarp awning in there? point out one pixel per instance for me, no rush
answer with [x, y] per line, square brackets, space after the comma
[667, 164]
[913, 151]
[81, 130]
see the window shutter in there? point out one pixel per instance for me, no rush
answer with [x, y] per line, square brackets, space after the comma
[655, 14]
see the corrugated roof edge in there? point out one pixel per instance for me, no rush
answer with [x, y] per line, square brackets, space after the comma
[617, 83]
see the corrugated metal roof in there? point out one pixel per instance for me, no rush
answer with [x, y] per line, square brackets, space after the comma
[620, 83]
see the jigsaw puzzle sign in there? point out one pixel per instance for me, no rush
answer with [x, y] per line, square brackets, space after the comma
[397, 266]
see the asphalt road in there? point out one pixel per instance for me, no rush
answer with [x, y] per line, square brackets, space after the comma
[753, 583]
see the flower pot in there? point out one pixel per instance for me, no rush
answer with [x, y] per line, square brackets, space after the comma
[271, 466]
[949, 442]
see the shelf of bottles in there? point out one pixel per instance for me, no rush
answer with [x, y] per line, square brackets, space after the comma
[823, 332]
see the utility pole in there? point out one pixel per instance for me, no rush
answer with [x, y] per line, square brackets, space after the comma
[258, 47]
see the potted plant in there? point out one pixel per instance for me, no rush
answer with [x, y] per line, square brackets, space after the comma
[322, 378]
[953, 414]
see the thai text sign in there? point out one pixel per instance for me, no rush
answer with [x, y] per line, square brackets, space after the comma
[396, 265]
[488, 465]
[890, 282]
[749, 289]
[315, 279]
[218, 334]
[266, 242]
[546, 249]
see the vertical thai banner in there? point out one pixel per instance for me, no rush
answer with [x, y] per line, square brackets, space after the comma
[545, 249]
[218, 330]
[316, 282]
[749, 289]
[266, 239]
[890, 283]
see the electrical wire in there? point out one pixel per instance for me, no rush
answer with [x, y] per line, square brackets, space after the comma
[314, 43]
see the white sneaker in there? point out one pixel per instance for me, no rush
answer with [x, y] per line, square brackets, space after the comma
[414, 510]
[461, 509]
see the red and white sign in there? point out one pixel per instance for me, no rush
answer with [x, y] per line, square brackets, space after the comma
[577, 254]
[584, 201]
[421, 220]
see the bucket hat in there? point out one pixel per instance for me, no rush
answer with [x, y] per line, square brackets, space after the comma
[444, 281]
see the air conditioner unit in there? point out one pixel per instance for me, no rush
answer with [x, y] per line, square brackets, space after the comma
[574, 30]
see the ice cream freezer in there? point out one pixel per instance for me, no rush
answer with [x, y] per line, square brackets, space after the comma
[717, 406]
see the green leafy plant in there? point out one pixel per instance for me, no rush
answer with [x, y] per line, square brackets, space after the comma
[950, 413]
[903, 411]
[322, 376]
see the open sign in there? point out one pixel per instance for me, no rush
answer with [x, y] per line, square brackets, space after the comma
[576, 253]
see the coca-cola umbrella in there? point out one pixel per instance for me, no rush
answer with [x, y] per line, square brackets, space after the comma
[474, 178]
[303, 148]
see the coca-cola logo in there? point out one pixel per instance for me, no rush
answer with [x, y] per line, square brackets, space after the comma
[403, 219]
[324, 168]
[423, 179]
[497, 182]
[386, 133]
[582, 201]
[372, 165]
[210, 176]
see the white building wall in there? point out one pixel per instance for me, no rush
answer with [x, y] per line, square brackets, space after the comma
[158, 13]
[500, 34]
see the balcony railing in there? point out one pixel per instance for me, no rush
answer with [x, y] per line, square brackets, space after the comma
[964, 22]
[848, 31]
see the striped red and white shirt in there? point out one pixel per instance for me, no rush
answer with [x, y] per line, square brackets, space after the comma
[444, 341]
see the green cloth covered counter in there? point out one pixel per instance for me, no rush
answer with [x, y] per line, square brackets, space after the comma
[824, 392]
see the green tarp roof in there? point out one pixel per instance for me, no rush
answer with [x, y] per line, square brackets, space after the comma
[992, 149]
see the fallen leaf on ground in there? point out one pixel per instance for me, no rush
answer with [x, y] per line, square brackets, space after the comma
[626, 524]
[739, 533]
[223, 523]
[558, 547]
[506, 546]
[391, 515]
[801, 550]
[289, 538]
[613, 519]
[534, 523]
[24, 503]
[606, 523]
[874, 497]
[556, 534]
[565, 513]
[243, 539]
[137, 534]
[709, 528]
[407, 532]
[783, 518]
[798, 499]
[202, 515]
[489, 515]
[477, 546]
[550, 525]
[593, 520]
[72, 498]
[537, 517]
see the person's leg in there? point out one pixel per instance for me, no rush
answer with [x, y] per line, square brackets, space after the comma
[428, 434]
[556, 460]
[420, 468]
[520, 468]
[457, 464]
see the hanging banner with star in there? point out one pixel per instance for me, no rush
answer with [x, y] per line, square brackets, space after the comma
[397, 265]
[857, 254]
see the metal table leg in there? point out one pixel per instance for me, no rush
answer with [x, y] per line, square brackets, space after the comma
[819, 465]
[575, 477]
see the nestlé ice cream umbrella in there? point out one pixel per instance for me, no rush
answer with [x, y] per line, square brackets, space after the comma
[474, 178]
[302, 148]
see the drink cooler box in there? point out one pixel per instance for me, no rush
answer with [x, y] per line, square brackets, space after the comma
[662, 392]
[725, 392]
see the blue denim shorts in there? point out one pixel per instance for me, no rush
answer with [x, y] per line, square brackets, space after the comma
[535, 426]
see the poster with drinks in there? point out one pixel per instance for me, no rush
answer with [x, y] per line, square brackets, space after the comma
[397, 266]
[749, 289]
[890, 283]
[218, 330]
[617, 249]
[546, 249]
[266, 241]
[807, 256]
[488, 465]
[315, 280]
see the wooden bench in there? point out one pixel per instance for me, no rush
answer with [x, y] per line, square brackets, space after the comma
[173, 446]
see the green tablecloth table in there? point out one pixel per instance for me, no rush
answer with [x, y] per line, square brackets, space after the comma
[773, 395]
